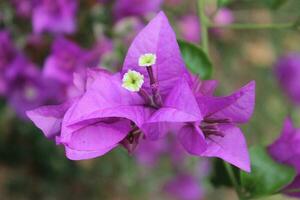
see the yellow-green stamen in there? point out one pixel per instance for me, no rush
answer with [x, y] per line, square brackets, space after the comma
[132, 81]
[147, 60]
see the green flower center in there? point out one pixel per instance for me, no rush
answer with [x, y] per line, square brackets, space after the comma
[147, 60]
[133, 81]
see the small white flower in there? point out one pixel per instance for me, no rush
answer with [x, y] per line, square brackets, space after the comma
[133, 81]
[147, 60]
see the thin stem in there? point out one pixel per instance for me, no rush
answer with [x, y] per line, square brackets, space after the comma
[233, 180]
[154, 87]
[144, 94]
[254, 26]
[204, 25]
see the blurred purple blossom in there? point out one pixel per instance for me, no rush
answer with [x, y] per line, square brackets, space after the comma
[20, 80]
[125, 8]
[184, 187]
[224, 16]
[67, 57]
[55, 16]
[8, 55]
[189, 28]
[287, 71]
[24, 8]
[27, 89]
[286, 150]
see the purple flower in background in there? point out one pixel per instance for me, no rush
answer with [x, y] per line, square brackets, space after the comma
[20, 80]
[149, 152]
[8, 55]
[184, 187]
[189, 28]
[24, 8]
[27, 89]
[66, 58]
[125, 8]
[287, 71]
[286, 150]
[224, 16]
[55, 16]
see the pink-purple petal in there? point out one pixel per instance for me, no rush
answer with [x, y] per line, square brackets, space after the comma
[232, 147]
[49, 118]
[158, 38]
[237, 107]
[192, 139]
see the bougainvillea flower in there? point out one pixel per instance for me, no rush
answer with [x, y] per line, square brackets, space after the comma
[55, 16]
[214, 133]
[125, 8]
[105, 101]
[286, 150]
[184, 187]
[155, 54]
[91, 137]
[219, 127]
[287, 71]
[127, 96]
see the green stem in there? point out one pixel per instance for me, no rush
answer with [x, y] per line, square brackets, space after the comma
[255, 26]
[204, 25]
[233, 180]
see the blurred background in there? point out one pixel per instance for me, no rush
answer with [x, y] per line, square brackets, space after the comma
[42, 42]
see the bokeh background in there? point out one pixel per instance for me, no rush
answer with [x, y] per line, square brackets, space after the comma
[32, 167]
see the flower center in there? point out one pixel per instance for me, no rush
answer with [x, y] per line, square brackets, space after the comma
[133, 81]
[210, 127]
[132, 139]
[147, 60]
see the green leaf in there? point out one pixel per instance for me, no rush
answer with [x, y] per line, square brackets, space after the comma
[222, 3]
[196, 59]
[267, 177]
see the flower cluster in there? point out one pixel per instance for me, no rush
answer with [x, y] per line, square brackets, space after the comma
[153, 95]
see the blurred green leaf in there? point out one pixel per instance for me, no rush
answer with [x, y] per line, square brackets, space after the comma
[267, 176]
[222, 3]
[196, 59]
[219, 176]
